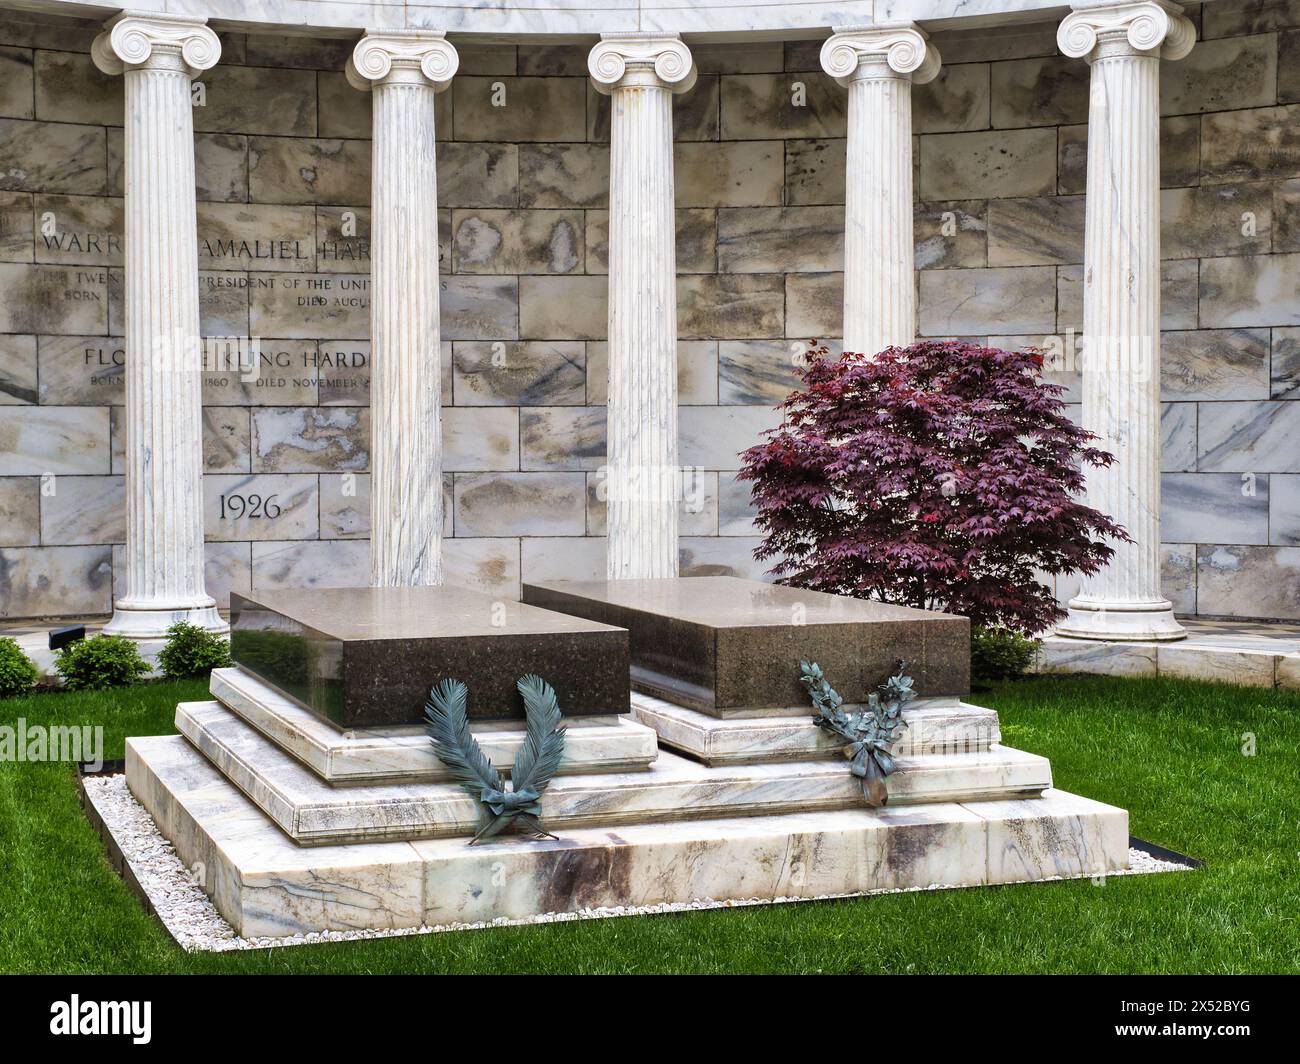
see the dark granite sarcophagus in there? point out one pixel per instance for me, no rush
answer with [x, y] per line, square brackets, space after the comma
[368, 656]
[718, 643]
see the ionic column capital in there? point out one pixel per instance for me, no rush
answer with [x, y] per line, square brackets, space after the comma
[420, 56]
[164, 42]
[1151, 27]
[900, 51]
[661, 60]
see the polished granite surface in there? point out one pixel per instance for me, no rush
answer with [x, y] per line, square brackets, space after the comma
[720, 643]
[731, 602]
[368, 656]
[360, 613]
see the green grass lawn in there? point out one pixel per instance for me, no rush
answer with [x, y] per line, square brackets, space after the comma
[1168, 751]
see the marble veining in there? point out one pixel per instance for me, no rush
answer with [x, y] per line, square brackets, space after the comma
[311, 811]
[404, 71]
[158, 56]
[265, 885]
[935, 726]
[1121, 307]
[879, 67]
[403, 752]
[641, 74]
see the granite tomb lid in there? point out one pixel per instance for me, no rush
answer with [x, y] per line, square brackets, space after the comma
[719, 643]
[368, 656]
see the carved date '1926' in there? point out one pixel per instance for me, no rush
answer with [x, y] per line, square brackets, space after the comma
[234, 507]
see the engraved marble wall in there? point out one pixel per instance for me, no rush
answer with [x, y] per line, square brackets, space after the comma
[282, 168]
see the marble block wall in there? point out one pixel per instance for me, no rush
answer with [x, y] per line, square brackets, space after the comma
[283, 160]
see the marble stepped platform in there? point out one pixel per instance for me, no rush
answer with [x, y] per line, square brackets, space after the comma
[265, 884]
[311, 811]
[300, 824]
[403, 752]
[935, 726]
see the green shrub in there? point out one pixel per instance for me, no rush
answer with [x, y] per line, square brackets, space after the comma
[103, 661]
[999, 654]
[192, 651]
[17, 673]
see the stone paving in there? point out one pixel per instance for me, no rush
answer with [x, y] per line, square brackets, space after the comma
[1253, 653]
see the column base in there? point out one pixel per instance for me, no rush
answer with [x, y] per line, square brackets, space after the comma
[1144, 620]
[144, 624]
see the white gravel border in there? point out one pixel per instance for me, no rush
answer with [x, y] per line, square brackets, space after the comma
[193, 921]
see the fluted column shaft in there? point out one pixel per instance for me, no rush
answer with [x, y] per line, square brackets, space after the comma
[878, 66]
[406, 71]
[640, 74]
[1121, 307]
[163, 583]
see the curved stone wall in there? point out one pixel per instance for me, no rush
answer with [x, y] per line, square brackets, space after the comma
[718, 19]
[283, 158]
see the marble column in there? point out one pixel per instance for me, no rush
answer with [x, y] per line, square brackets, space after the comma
[879, 65]
[640, 73]
[1124, 44]
[404, 70]
[163, 584]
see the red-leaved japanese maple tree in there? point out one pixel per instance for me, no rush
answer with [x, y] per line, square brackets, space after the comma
[943, 475]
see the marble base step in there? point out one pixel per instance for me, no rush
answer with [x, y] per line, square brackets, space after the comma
[264, 885]
[1245, 653]
[938, 726]
[798, 709]
[403, 752]
[312, 812]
